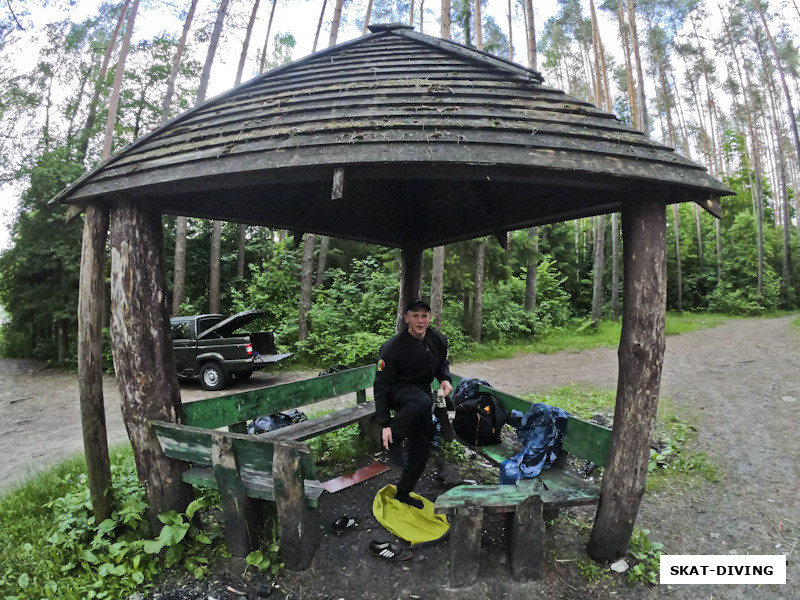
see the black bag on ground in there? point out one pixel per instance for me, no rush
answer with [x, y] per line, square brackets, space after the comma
[276, 421]
[479, 415]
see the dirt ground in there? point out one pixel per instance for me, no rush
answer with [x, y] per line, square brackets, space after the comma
[737, 383]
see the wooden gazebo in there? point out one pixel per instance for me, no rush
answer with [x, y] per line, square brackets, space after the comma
[405, 140]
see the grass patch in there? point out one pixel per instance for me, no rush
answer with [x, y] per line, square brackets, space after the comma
[54, 548]
[580, 401]
[338, 452]
[581, 336]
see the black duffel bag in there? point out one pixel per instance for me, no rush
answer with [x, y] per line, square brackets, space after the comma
[480, 416]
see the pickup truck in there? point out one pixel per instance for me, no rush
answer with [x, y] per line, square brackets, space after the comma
[216, 349]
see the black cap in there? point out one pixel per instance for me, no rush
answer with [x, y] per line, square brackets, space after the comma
[416, 304]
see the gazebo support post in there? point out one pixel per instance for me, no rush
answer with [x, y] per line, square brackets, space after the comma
[641, 355]
[143, 351]
[91, 301]
[410, 279]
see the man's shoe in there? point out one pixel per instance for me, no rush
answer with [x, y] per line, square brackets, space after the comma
[407, 499]
[389, 551]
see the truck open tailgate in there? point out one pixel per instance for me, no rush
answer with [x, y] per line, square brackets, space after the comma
[267, 359]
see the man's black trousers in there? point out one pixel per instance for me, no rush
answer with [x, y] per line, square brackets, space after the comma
[412, 421]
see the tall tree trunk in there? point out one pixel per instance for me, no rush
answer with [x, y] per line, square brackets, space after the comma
[676, 223]
[445, 20]
[91, 304]
[411, 13]
[322, 259]
[241, 253]
[615, 267]
[179, 268]
[644, 122]
[246, 43]
[422, 16]
[100, 84]
[202, 90]
[306, 284]
[410, 280]
[365, 29]
[510, 33]
[478, 26]
[263, 62]
[532, 264]
[319, 26]
[143, 352]
[626, 47]
[176, 63]
[599, 266]
[641, 355]
[114, 102]
[337, 19]
[530, 34]
[477, 305]
[758, 201]
[214, 266]
[437, 285]
[242, 238]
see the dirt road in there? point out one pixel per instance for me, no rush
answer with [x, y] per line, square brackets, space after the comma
[739, 382]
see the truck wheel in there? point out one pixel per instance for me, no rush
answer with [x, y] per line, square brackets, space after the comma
[212, 377]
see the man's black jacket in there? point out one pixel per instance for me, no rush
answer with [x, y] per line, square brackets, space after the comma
[405, 360]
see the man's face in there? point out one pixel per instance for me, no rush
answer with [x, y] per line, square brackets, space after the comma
[418, 321]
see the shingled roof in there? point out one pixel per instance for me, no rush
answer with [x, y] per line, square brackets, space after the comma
[393, 137]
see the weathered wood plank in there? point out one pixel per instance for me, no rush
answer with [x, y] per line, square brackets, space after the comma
[234, 408]
[465, 545]
[238, 510]
[299, 532]
[526, 551]
[258, 485]
[495, 498]
[321, 425]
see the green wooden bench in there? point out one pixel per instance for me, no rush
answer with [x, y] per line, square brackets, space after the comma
[274, 467]
[529, 500]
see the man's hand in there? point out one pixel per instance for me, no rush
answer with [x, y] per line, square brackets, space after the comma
[386, 435]
[446, 387]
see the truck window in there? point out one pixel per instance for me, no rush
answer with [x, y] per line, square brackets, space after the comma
[181, 331]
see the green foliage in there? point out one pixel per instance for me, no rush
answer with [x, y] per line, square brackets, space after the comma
[54, 548]
[338, 451]
[350, 320]
[579, 401]
[265, 561]
[649, 556]
[591, 571]
[670, 454]
[185, 543]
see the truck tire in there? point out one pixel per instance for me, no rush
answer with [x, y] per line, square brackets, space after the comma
[213, 377]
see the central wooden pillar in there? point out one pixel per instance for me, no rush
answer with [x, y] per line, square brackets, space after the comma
[143, 352]
[410, 279]
[641, 355]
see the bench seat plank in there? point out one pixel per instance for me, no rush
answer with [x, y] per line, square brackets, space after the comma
[257, 485]
[321, 425]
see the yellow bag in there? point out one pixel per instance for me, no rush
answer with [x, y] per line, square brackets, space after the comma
[406, 522]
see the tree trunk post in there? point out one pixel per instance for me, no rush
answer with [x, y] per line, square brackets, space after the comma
[91, 303]
[437, 286]
[143, 352]
[641, 355]
[410, 279]
[306, 285]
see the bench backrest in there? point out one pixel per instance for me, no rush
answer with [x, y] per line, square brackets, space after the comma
[583, 439]
[253, 454]
[228, 410]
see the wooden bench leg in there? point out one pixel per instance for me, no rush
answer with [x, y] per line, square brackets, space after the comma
[297, 522]
[465, 545]
[527, 540]
[240, 514]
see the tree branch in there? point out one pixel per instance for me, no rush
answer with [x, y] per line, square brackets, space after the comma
[16, 20]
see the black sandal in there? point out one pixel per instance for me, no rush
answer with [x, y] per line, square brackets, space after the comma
[342, 524]
[389, 551]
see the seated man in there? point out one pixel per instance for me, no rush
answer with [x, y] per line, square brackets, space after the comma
[408, 363]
